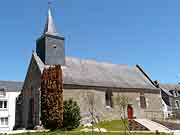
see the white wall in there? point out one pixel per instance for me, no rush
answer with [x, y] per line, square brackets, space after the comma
[166, 110]
[10, 111]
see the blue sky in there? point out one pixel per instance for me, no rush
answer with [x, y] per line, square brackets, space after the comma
[144, 32]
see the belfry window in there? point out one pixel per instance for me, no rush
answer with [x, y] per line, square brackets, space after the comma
[108, 98]
[142, 101]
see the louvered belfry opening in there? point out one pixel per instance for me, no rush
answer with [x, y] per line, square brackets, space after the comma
[52, 96]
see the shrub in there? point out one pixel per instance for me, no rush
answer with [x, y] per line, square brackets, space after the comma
[71, 117]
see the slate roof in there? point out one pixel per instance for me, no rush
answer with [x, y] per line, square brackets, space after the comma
[49, 27]
[11, 86]
[93, 73]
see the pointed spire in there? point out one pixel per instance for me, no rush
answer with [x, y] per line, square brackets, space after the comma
[50, 27]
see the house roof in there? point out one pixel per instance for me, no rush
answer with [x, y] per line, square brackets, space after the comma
[11, 86]
[93, 73]
[168, 87]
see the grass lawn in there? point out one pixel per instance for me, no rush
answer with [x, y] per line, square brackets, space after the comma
[114, 125]
[82, 133]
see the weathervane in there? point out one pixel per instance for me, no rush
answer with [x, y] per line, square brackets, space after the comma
[49, 3]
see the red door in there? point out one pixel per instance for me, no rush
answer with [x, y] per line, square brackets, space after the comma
[130, 112]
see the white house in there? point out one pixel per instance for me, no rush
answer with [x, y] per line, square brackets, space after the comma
[171, 100]
[9, 91]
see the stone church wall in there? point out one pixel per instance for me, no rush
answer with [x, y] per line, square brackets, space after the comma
[81, 96]
[30, 92]
[102, 112]
[153, 104]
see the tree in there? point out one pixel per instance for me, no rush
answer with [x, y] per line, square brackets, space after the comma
[71, 115]
[52, 98]
[90, 97]
[122, 102]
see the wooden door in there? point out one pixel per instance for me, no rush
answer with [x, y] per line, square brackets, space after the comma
[130, 112]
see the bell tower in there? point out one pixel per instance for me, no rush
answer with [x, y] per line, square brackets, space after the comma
[50, 46]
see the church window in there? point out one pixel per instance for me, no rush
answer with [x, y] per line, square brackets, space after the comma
[142, 101]
[108, 98]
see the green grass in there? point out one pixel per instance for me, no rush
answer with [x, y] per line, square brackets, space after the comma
[82, 133]
[114, 125]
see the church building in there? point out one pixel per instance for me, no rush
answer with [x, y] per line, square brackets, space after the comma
[82, 76]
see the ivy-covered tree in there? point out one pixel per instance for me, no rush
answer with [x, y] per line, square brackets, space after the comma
[71, 117]
[56, 114]
[52, 98]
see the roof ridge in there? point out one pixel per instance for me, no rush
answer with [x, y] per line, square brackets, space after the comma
[146, 75]
[97, 61]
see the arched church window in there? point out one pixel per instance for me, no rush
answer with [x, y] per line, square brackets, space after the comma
[108, 98]
[142, 101]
